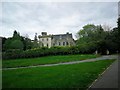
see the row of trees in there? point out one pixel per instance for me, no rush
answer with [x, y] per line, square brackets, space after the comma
[18, 42]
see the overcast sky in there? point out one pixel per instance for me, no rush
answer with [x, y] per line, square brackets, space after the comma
[55, 18]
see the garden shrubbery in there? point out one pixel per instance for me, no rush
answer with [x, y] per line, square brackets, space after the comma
[44, 51]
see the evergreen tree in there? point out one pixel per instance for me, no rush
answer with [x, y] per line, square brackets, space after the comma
[35, 38]
[14, 42]
[35, 43]
[16, 35]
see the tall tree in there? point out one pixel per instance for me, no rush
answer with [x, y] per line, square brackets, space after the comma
[93, 36]
[35, 38]
[91, 33]
[16, 35]
[14, 42]
[35, 42]
[27, 42]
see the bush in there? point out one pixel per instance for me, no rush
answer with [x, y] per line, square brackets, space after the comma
[12, 54]
[44, 51]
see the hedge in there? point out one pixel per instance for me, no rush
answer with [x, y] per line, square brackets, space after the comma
[39, 52]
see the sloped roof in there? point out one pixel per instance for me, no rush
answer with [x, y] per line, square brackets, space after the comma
[62, 36]
[58, 36]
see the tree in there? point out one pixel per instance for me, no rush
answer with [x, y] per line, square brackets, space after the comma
[118, 35]
[7, 43]
[35, 42]
[13, 42]
[3, 42]
[16, 44]
[93, 38]
[27, 42]
[91, 33]
[112, 40]
[35, 38]
[16, 35]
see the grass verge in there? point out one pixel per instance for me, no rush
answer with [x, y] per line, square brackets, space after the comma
[63, 76]
[45, 60]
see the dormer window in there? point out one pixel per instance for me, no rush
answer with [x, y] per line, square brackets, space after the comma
[60, 37]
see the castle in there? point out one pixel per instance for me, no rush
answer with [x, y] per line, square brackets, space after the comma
[56, 40]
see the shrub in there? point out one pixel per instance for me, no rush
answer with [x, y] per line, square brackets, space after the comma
[44, 51]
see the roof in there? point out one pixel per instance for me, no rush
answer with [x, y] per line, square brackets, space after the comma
[58, 36]
[44, 36]
[62, 36]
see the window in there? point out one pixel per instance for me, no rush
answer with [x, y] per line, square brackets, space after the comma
[66, 43]
[47, 44]
[59, 43]
[47, 39]
[42, 39]
[53, 44]
[63, 43]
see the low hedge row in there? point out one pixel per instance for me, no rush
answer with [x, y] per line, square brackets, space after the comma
[39, 52]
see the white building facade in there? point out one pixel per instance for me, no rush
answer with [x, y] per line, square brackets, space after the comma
[55, 40]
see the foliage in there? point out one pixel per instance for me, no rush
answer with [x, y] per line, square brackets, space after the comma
[94, 38]
[16, 35]
[118, 34]
[35, 38]
[63, 76]
[44, 51]
[16, 44]
[112, 40]
[35, 44]
[7, 43]
[3, 41]
[27, 43]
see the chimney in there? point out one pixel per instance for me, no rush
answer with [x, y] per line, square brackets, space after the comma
[44, 33]
[67, 33]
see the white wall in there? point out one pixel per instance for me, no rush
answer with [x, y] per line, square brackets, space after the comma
[45, 41]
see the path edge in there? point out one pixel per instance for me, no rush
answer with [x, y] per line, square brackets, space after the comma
[99, 76]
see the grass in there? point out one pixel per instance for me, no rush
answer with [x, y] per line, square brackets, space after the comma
[45, 60]
[63, 76]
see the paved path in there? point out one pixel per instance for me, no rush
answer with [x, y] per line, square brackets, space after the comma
[73, 62]
[109, 78]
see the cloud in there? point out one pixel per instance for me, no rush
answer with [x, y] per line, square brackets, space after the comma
[54, 18]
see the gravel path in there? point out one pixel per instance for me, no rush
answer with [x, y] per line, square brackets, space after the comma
[109, 78]
[73, 62]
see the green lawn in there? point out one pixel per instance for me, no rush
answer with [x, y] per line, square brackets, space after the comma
[45, 60]
[63, 76]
